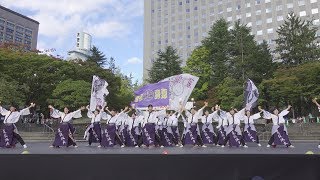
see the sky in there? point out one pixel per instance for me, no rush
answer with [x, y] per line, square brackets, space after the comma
[116, 27]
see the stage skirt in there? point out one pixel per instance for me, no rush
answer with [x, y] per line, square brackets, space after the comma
[175, 134]
[6, 136]
[250, 133]
[235, 136]
[95, 133]
[129, 139]
[281, 135]
[167, 136]
[207, 133]
[64, 135]
[191, 134]
[108, 137]
[148, 134]
[221, 135]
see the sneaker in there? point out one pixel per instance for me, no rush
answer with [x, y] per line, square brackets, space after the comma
[222, 146]
[75, 146]
[218, 145]
[177, 145]
[259, 145]
[245, 146]
[25, 146]
[181, 145]
[122, 146]
[161, 146]
[319, 146]
[204, 146]
[291, 146]
[88, 145]
[268, 146]
[51, 146]
[99, 146]
[136, 146]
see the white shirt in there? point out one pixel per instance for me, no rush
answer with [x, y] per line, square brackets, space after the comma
[115, 119]
[13, 117]
[151, 117]
[65, 117]
[236, 117]
[98, 117]
[250, 119]
[173, 120]
[194, 118]
[138, 120]
[207, 119]
[276, 120]
[221, 119]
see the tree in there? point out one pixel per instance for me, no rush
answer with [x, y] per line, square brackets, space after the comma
[197, 65]
[10, 92]
[167, 64]
[72, 94]
[296, 42]
[97, 57]
[230, 93]
[218, 45]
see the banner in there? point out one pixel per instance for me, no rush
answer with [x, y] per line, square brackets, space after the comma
[98, 92]
[251, 94]
[156, 94]
[181, 87]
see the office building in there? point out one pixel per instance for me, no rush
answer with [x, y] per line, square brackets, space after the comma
[83, 46]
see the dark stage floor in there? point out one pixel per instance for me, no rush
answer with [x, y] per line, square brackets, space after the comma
[43, 148]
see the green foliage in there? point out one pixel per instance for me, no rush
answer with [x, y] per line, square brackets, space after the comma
[9, 92]
[71, 94]
[230, 93]
[294, 85]
[97, 57]
[167, 64]
[296, 41]
[35, 77]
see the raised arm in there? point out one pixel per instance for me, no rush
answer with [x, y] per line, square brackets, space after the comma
[89, 113]
[77, 113]
[3, 111]
[286, 111]
[26, 111]
[55, 112]
[315, 101]
[200, 111]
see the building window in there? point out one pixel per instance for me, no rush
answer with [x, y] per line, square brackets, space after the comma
[180, 3]
[259, 33]
[27, 31]
[259, 22]
[269, 31]
[315, 11]
[187, 10]
[316, 22]
[11, 25]
[258, 12]
[258, 2]
[229, 9]
[248, 14]
[303, 13]
[267, 1]
[248, 5]
[280, 18]
[279, 8]
[289, 5]
[301, 3]
[268, 10]
[2, 21]
[195, 8]
[238, 7]
[229, 19]
[19, 28]
[313, 1]
[269, 20]
[238, 17]
[249, 24]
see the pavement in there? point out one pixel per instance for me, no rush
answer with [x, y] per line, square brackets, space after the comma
[43, 148]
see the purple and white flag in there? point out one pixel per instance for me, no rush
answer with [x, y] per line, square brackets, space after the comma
[98, 92]
[181, 87]
[155, 94]
[251, 95]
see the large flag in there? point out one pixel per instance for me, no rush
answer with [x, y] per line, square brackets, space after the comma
[251, 94]
[181, 87]
[98, 92]
[155, 94]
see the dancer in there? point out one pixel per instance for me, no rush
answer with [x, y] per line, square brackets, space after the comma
[9, 133]
[65, 131]
[192, 132]
[166, 132]
[249, 131]
[126, 130]
[93, 132]
[110, 136]
[173, 125]
[220, 116]
[233, 131]
[315, 102]
[136, 129]
[207, 133]
[149, 136]
[279, 134]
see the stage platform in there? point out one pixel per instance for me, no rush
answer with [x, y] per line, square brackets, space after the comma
[43, 148]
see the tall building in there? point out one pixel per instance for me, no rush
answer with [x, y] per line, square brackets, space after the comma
[184, 23]
[83, 46]
[17, 28]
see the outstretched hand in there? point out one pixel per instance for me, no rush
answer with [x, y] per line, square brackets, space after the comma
[260, 108]
[82, 108]
[205, 103]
